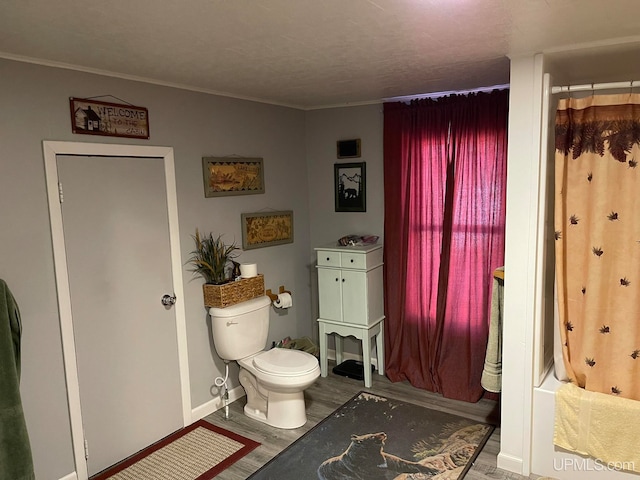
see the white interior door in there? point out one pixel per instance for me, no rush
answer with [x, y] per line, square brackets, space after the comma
[116, 233]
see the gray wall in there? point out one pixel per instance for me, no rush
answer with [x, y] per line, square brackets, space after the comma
[35, 107]
[324, 128]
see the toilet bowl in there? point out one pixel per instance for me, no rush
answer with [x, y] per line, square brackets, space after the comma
[274, 380]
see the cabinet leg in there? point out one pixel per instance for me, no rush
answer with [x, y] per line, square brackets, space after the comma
[366, 359]
[324, 362]
[380, 350]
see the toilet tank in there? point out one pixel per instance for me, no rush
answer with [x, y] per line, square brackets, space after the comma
[240, 330]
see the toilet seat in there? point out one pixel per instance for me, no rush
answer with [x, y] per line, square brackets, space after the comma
[284, 362]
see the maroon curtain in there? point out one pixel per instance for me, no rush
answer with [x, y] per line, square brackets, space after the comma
[445, 177]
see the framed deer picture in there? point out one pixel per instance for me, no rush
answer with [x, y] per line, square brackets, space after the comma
[350, 187]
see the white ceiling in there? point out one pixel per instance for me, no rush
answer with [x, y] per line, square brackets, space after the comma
[307, 53]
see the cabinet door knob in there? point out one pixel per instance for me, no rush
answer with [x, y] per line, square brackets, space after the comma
[336, 279]
[343, 280]
[328, 259]
[352, 260]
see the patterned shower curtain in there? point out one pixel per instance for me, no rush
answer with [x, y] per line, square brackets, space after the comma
[597, 231]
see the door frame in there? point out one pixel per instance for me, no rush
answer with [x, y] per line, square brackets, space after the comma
[51, 150]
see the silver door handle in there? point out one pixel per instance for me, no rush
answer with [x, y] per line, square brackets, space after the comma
[168, 300]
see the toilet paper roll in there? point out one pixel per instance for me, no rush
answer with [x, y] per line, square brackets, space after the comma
[248, 270]
[283, 301]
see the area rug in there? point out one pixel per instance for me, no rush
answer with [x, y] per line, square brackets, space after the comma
[197, 452]
[372, 437]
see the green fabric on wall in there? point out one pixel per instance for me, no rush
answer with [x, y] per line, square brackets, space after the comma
[16, 462]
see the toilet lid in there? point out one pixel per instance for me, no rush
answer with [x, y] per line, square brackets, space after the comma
[282, 361]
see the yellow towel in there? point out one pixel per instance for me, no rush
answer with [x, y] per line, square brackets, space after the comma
[492, 372]
[599, 425]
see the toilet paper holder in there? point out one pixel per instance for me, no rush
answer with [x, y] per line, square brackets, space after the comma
[274, 296]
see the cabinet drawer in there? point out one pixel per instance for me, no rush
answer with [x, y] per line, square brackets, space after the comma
[353, 260]
[328, 259]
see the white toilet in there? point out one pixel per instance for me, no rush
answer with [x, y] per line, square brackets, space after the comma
[275, 379]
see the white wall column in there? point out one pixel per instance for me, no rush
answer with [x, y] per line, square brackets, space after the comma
[522, 249]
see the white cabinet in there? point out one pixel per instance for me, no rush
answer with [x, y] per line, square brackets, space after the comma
[351, 302]
[350, 288]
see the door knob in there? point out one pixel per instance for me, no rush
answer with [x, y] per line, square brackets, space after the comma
[168, 300]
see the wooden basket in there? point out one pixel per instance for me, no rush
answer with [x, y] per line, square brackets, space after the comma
[221, 296]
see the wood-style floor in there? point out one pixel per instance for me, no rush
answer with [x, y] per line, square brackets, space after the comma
[329, 393]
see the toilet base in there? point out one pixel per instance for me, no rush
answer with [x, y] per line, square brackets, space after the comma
[284, 410]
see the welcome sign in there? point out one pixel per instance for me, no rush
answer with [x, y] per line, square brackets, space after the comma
[93, 117]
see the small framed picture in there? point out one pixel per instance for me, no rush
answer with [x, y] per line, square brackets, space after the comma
[348, 148]
[350, 187]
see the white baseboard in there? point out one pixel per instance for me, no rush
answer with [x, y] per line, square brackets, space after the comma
[71, 476]
[215, 404]
[510, 463]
